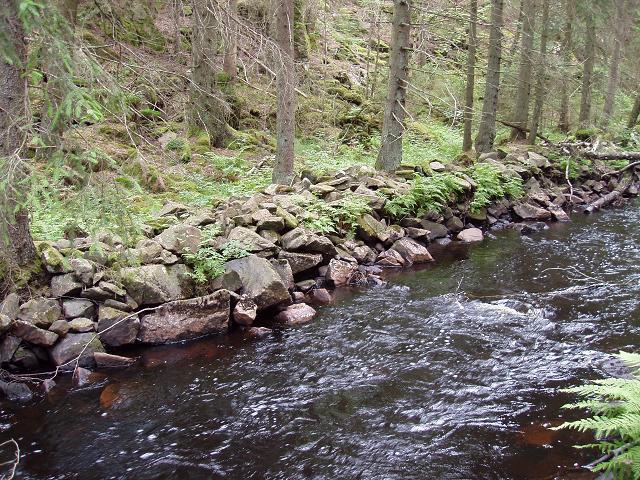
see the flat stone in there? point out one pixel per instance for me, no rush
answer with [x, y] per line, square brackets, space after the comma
[558, 213]
[251, 241]
[411, 251]
[437, 167]
[76, 307]
[60, 327]
[470, 235]
[300, 262]
[296, 314]
[107, 360]
[259, 332]
[187, 319]
[32, 334]
[390, 258]
[65, 285]
[526, 211]
[436, 230]
[71, 346]
[372, 230]
[81, 325]
[114, 330]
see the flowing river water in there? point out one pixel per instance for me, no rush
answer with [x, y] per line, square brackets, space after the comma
[449, 372]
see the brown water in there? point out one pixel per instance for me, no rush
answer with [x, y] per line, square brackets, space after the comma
[409, 381]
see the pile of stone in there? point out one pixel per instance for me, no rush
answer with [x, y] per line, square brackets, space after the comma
[103, 295]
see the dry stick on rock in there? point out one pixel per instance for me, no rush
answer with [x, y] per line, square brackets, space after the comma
[14, 463]
[523, 129]
[611, 197]
[622, 170]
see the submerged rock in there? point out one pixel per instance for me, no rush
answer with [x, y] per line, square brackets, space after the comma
[187, 319]
[106, 360]
[16, 392]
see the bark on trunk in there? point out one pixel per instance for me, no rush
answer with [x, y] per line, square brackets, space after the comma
[16, 245]
[635, 113]
[516, 36]
[567, 50]
[616, 57]
[467, 142]
[541, 76]
[208, 109]
[230, 60]
[390, 155]
[587, 75]
[286, 82]
[521, 110]
[487, 130]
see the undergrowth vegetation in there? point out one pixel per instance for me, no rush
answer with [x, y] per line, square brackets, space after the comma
[426, 194]
[492, 184]
[208, 263]
[339, 216]
[614, 405]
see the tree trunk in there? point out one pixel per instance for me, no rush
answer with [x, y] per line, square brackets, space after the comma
[285, 83]
[16, 245]
[467, 142]
[487, 129]
[300, 33]
[616, 56]
[541, 75]
[390, 155]
[635, 113]
[230, 59]
[208, 109]
[587, 74]
[516, 36]
[567, 50]
[521, 110]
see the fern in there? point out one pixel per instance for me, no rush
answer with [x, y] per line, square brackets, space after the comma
[341, 215]
[492, 184]
[615, 422]
[426, 194]
[208, 263]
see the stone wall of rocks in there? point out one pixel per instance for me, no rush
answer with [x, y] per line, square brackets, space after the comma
[91, 307]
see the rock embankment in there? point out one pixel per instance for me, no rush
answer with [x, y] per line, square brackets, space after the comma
[102, 295]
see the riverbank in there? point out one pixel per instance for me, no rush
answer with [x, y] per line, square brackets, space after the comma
[272, 257]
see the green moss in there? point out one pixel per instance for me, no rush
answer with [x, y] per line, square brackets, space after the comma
[585, 134]
[346, 94]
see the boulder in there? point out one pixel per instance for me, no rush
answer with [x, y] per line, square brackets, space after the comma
[76, 307]
[258, 332]
[8, 346]
[284, 270]
[114, 330]
[364, 254]
[260, 281]
[527, 211]
[300, 262]
[534, 192]
[60, 327]
[417, 233]
[372, 230]
[390, 258]
[65, 285]
[106, 360]
[32, 334]
[83, 270]
[245, 311]
[265, 220]
[296, 314]
[54, 261]
[558, 213]
[394, 232]
[470, 235]
[437, 167]
[180, 239]
[295, 239]
[16, 392]
[156, 284]
[537, 160]
[10, 306]
[251, 241]
[41, 312]
[321, 296]
[149, 252]
[187, 319]
[25, 359]
[454, 224]
[5, 323]
[436, 230]
[411, 251]
[340, 273]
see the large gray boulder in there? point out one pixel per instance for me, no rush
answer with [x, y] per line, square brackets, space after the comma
[260, 281]
[73, 345]
[412, 251]
[156, 284]
[187, 319]
[251, 241]
[303, 240]
[180, 239]
[32, 334]
[114, 330]
[41, 312]
[527, 211]
[10, 306]
[65, 285]
[371, 230]
[77, 307]
[301, 262]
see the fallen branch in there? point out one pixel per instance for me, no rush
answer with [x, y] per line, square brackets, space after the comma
[624, 185]
[622, 170]
[523, 129]
[631, 156]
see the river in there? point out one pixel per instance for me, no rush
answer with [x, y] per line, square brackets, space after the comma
[449, 372]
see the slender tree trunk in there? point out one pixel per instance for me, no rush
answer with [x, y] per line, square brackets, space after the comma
[177, 13]
[208, 109]
[467, 143]
[635, 113]
[567, 54]
[390, 155]
[422, 39]
[616, 56]
[521, 110]
[587, 74]
[230, 59]
[16, 245]
[286, 82]
[300, 33]
[541, 75]
[516, 36]
[487, 129]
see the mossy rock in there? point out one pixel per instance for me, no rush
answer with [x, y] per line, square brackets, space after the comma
[586, 134]
[134, 24]
[346, 94]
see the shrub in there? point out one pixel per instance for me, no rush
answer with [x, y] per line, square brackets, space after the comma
[615, 407]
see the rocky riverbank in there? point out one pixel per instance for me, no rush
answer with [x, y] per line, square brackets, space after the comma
[261, 260]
